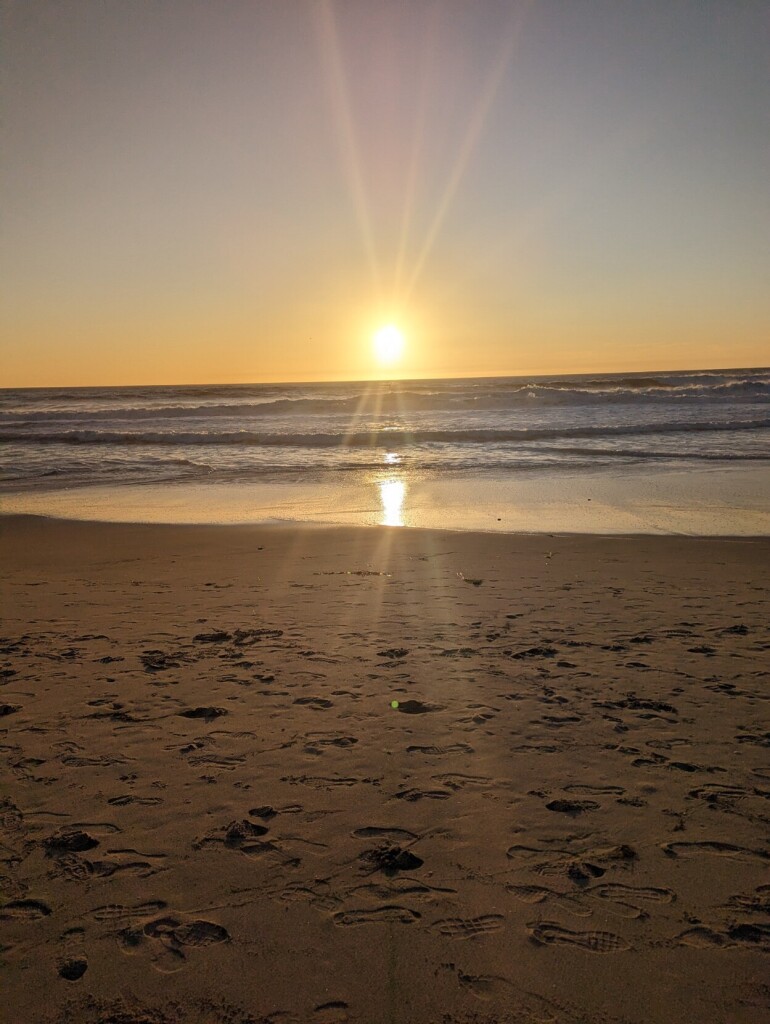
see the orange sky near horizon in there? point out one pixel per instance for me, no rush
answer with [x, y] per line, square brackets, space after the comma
[190, 358]
[245, 192]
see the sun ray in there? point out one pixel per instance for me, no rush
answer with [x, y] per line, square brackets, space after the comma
[343, 118]
[371, 392]
[418, 135]
[470, 139]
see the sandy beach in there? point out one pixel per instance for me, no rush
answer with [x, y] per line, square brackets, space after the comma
[326, 774]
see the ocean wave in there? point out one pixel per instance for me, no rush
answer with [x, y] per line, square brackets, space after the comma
[382, 438]
[17, 476]
[616, 391]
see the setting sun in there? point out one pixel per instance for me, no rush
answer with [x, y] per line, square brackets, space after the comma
[388, 343]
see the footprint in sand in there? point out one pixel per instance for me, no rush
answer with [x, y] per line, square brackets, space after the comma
[326, 781]
[379, 915]
[458, 780]
[624, 898]
[75, 868]
[234, 835]
[434, 751]
[320, 740]
[715, 847]
[129, 798]
[24, 910]
[755, 936]
[226, 762]
[417, 707]
[549, 933]
[718, 795]
[319, 895]
[581, 867]
[534, 853]
[216, 637]
[595, 790]
[103, 760]
[69, 840]
[541, 894]
[536, 748]
[333, 1012]
[159, 661]
[531, 652]
[73, 963]
[266, 812]
[468, 927]
[559, 721]
[200, 933]
[169, 938]
[120, 914]
[572, 807]
[757, 902]
[391, 859]
[481, 713]
[397, 887]
[207, 714]
[377, 832]
[413, 795]
[484, 986]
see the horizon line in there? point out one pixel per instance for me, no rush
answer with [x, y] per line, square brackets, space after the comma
[387, 380]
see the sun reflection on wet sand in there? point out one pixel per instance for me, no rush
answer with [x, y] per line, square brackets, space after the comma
[392, 493]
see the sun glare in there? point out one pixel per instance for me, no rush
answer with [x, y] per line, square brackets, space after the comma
[388, 343]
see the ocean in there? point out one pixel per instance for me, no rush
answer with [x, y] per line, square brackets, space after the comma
[345, 434]
[78, 436]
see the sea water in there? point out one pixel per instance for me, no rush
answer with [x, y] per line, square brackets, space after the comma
[386, 451]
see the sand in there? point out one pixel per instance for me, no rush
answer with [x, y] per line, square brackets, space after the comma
[266, 774]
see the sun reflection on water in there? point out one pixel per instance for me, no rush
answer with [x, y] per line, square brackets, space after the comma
[392, 493]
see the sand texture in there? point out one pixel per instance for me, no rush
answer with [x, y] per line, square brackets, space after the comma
[212, 812]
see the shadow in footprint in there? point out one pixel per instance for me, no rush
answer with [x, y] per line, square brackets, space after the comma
[417, 707]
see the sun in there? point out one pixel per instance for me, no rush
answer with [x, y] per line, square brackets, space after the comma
[388, 343]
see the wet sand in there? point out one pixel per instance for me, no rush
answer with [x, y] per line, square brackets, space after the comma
[718, 501]
[273, 774]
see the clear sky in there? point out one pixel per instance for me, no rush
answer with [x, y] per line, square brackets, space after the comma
[244, 190]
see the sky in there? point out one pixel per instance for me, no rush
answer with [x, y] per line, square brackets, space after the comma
[245, 190]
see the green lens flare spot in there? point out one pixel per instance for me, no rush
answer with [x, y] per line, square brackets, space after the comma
[394, 705]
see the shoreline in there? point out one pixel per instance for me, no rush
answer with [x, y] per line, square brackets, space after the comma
[712, 501]
[14, 520]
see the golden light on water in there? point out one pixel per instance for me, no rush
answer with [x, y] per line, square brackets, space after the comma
[392, 493]
[388, 343]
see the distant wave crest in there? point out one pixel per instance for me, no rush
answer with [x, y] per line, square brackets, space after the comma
[387, 438]
[249, 402]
